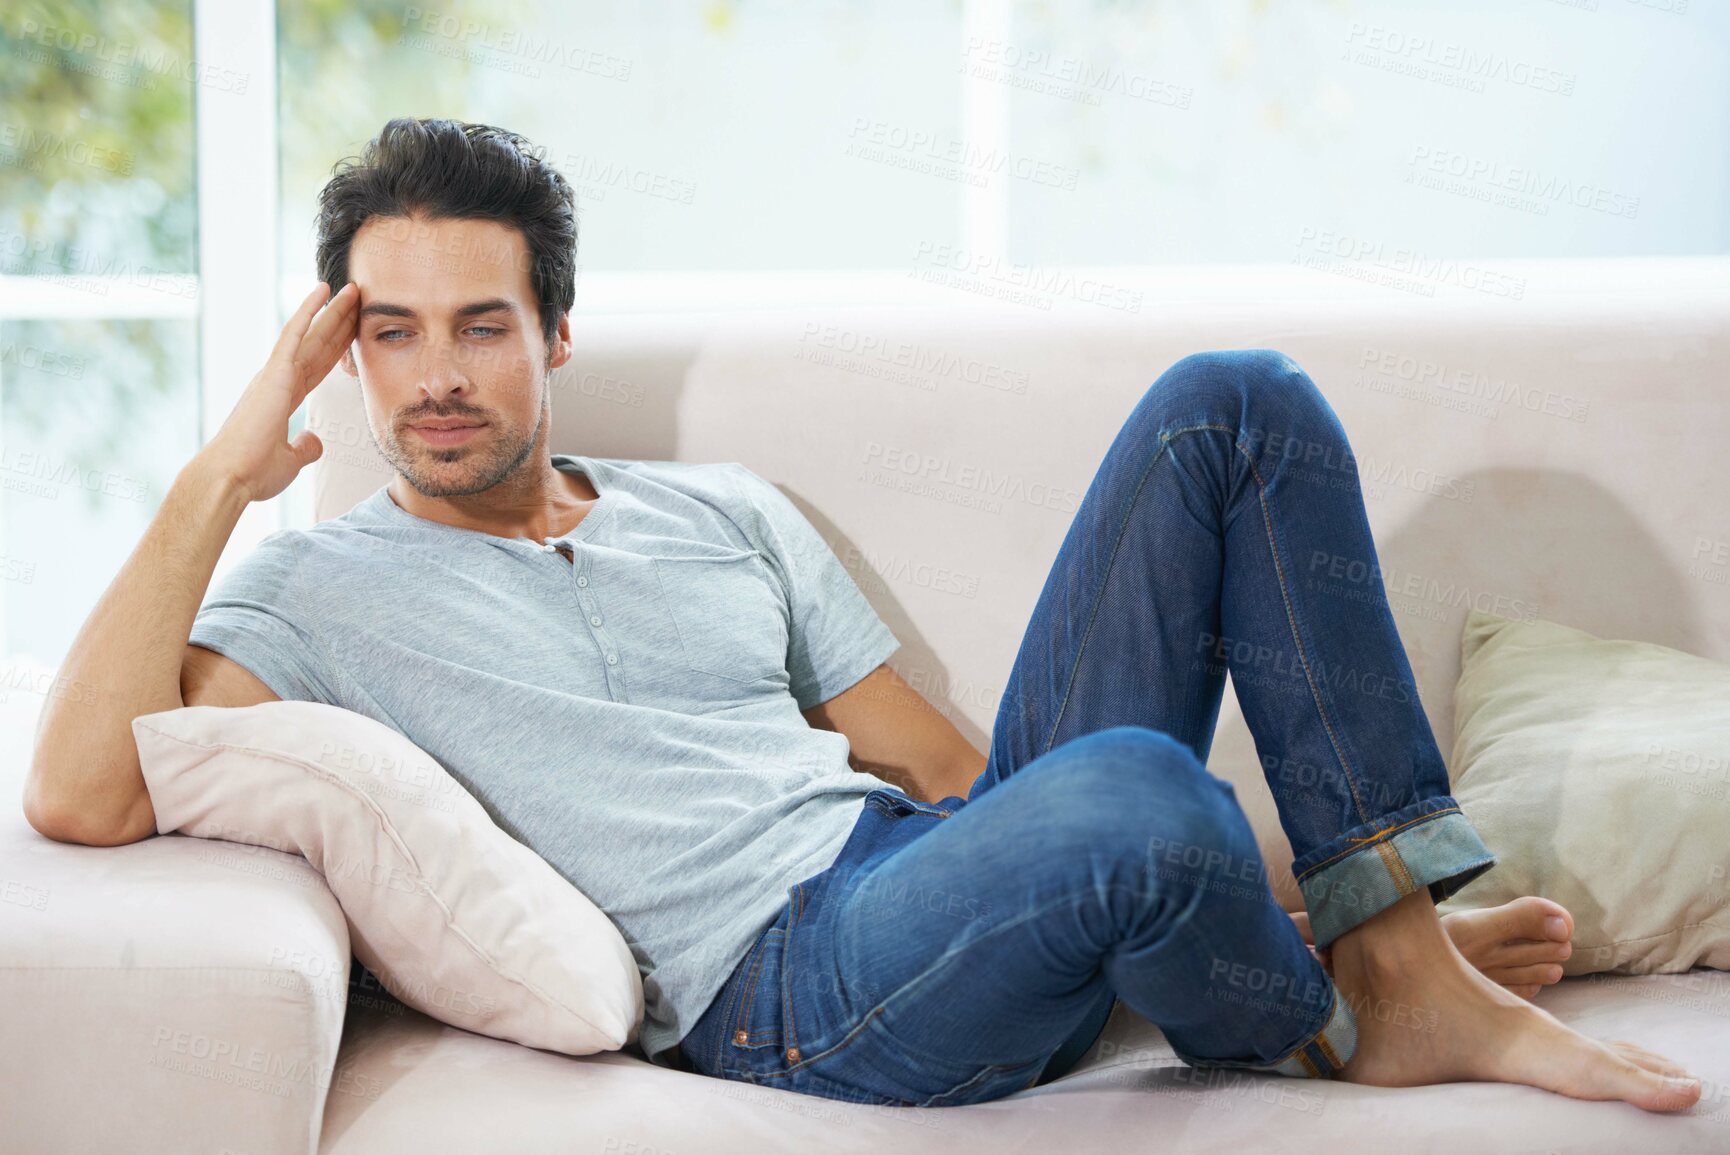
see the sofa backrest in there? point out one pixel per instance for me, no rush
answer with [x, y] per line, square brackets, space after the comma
[1560, 455]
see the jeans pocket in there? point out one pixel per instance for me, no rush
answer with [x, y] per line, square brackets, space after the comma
[755, 1028]
[728, 612]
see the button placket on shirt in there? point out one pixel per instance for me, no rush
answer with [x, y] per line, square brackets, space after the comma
[586, 600]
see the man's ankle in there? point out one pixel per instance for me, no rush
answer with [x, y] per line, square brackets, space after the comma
[1382, 945]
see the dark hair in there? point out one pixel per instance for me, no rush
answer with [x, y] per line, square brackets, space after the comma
[445, 169]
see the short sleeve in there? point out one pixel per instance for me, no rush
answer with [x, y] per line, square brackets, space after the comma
[835, 636]
[261, 615]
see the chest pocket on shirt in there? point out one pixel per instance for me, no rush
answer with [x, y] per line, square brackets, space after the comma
[727, 610]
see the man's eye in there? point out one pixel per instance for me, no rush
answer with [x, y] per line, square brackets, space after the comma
[392, 334]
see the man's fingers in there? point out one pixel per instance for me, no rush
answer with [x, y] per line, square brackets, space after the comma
[330, 334]
[331, 331]
[289, 340]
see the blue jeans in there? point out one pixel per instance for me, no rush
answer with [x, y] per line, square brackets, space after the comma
[960, 951]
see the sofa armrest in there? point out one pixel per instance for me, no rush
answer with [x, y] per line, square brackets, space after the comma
[176, 994]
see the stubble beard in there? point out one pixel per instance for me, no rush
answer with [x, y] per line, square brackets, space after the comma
[428, 468]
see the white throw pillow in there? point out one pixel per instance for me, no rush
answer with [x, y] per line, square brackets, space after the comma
[1599, 773]
[454, 916]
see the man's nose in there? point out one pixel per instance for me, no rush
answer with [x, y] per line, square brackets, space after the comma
[446, 372]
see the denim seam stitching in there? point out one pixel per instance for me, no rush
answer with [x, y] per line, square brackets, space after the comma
[729, 1015]
[1279, 576]
[747, 995]
[1363, 843]
[1327, 1048]
[791, 1041]
[1395, 864]
[1093, 614]
[1296, 633]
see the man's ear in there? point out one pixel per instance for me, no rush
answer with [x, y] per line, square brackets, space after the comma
[559, 350]
[347, 362]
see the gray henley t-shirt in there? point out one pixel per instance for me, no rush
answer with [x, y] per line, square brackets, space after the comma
[632, 716]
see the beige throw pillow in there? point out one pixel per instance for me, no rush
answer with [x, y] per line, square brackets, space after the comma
[1598, 771]
[455, 917]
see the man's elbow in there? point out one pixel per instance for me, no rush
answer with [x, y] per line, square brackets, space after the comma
[85, 824]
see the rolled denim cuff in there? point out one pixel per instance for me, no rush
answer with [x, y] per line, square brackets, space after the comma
[1317, 1057]
[1327, 1050]
[1356, 876]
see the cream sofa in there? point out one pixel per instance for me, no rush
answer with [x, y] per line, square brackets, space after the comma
[189, 996]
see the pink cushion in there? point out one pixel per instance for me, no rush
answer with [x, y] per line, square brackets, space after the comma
[455, 917]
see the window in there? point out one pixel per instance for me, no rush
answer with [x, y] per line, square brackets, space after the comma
[99, 400]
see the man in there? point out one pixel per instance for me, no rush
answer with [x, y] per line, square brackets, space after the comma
[656, 674]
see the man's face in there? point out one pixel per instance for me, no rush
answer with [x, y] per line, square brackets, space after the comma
[449, 351]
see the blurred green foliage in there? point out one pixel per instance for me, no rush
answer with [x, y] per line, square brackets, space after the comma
[96, 137]
[97, 179]
[343, 70]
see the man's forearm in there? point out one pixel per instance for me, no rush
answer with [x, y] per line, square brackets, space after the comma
[84, 781]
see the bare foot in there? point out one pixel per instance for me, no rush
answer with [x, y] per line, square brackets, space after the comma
[1514, 944]
[1520, 944]
[1426, 1015]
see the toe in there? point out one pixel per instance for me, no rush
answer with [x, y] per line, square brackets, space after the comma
[1534, 917]
[1521, 953]
[1614, 1075]
[1645, 1058]
[1658, 1092]
[1541, 973]
[1530, 918]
